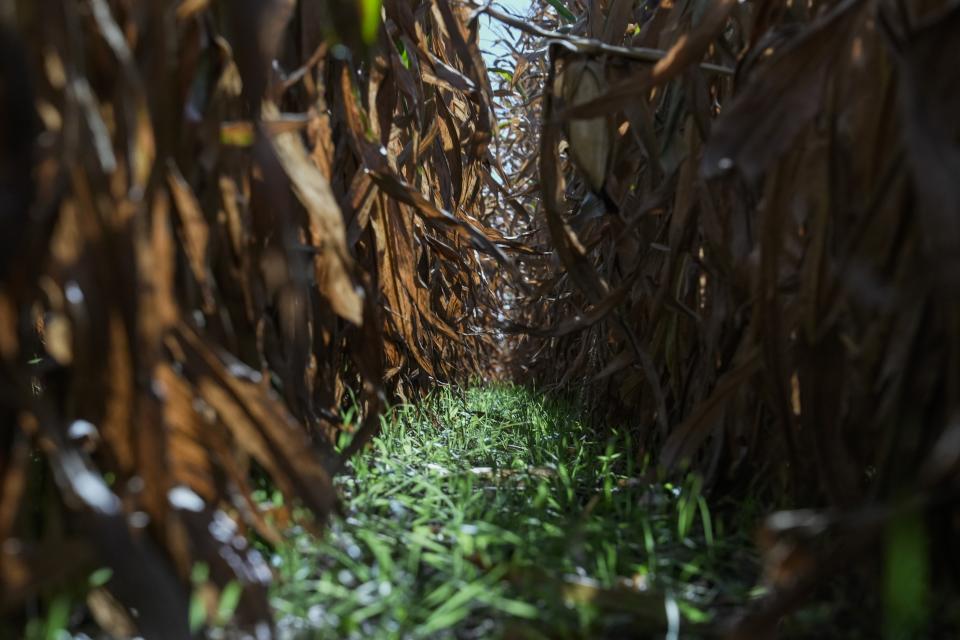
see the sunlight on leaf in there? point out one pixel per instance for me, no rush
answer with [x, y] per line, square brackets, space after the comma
[370, 21]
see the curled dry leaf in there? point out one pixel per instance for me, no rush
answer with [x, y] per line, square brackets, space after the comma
[58, 338]
[590, 138]
[332, 262]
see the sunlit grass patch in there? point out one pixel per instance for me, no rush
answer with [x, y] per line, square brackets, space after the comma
[492, 510]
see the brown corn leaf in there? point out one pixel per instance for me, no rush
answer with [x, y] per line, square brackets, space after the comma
[332, 261]
[590, 139]
[780, 98]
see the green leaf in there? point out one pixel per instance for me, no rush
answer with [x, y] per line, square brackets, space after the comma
[198, 612]
[200, 573]
[516, 608]
[693, 614]
[906, 576]
[229, 599]
[370, 21]
[58, 616]
[100, 577]
[707, 521]
[562, 10]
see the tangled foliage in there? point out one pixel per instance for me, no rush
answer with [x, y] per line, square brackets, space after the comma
[735, 223]
[749, 241]
[222, 220]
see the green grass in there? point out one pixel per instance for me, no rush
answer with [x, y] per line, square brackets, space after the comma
[492, 512]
